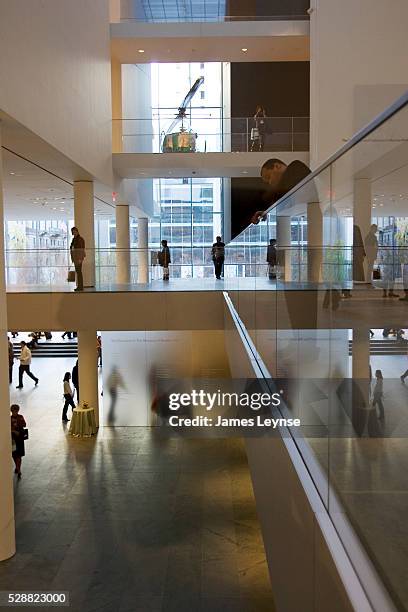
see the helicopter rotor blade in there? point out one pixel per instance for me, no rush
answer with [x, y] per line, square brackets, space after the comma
[191, 94]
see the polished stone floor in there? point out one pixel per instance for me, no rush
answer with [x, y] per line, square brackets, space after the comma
[133, 521]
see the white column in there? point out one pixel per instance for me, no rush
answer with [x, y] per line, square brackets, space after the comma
[88, 369]
[7, 534]
[360, 377]
[362, 210]
[143, 252]
[84, 221]
[122, 244]
[283, 241]
[314, 241]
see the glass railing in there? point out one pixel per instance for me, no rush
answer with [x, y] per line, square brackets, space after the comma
[335, 333]
[186, 17]
[211, 135]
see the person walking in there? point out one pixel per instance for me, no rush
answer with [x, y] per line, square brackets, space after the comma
[11, 359]
[18, 426]
[218, 256]
[75, 380]
[404, 376]
[68, 397]
[165, 259]
[271, 258]
[378, 393]
[25, 362]
[77, 251]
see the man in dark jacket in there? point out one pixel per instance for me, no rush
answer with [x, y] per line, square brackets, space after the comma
[280, 179]
[218, 256]
[77, 250]
[75, 380]
[165, 259]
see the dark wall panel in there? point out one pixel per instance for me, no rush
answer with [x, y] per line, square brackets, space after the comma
[281, 87]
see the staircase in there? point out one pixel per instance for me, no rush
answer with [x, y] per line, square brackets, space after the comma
[385, 347]
[46, 348]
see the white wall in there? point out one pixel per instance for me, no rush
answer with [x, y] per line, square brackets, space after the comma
[359, 65]
[55, 76]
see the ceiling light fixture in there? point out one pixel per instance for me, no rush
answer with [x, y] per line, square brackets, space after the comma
[244, 49]
[141, 50]
[12, 173]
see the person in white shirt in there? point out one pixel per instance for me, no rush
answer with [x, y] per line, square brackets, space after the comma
[25, 362]
[68, 396]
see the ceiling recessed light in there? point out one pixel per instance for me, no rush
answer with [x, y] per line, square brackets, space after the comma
[141, 50]
[12, 173]
[244, 49]
[245, 172]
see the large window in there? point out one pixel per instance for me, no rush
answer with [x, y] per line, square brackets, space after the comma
[170, 84]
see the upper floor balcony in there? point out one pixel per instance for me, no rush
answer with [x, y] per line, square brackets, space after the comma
[214, 134]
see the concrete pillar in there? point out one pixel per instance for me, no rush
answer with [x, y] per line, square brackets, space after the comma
[84, 221]
[283, 241]
[7, 535]
[362, 211]
[360, 378]
[314, 241]
[88, 369]
[143, 250]
[122, 244]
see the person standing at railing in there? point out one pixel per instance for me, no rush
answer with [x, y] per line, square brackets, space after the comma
[218, 256]
[258, 131]
[77, 250]
[165, 259]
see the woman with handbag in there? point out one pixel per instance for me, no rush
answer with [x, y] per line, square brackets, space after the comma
[19, 433]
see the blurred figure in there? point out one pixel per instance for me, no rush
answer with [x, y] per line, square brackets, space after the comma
[114, 382]
[68, 397]
[371, 248]
[388, 273]
[14, 334]
[378, 393]
[75, 380]
[218, 256]
[18, 426]
[10, 359]
[25, 362]
[67, 333]
[404, 376]
[258, 131]
[99, 349]
[271, 258]
[165, 259]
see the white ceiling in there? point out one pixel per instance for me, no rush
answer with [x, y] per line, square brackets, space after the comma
[32, 193]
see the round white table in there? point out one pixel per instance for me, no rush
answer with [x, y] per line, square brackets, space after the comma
[83, 422]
